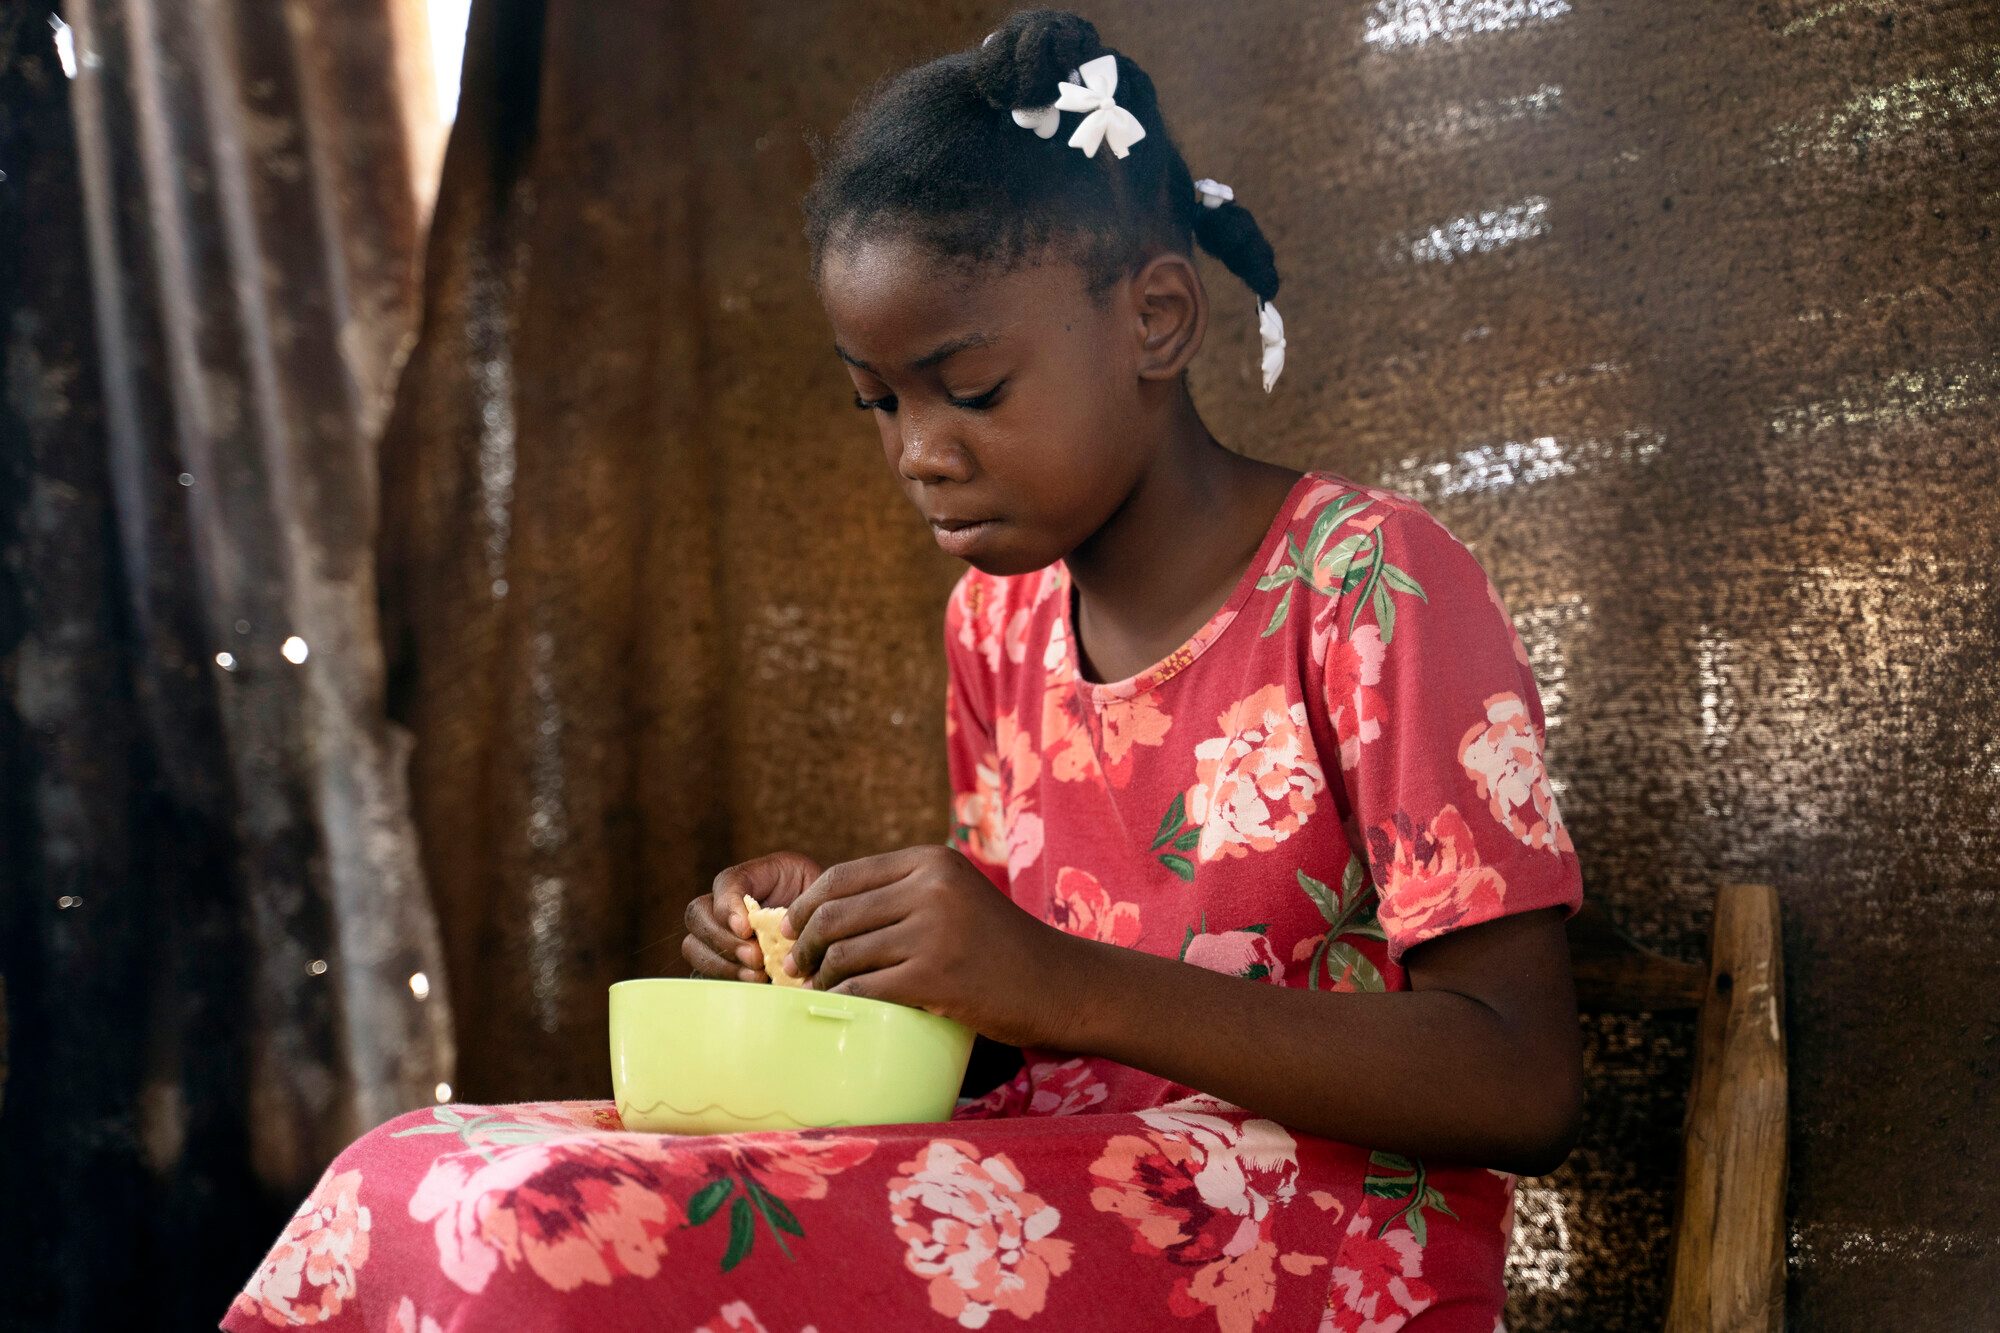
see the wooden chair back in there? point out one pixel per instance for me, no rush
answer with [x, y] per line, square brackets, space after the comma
[1729, 1217]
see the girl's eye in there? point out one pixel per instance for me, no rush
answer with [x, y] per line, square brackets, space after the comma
[981, 402]
[888, 403]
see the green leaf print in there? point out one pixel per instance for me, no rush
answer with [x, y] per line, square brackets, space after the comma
[1349, 913]
[707, 1199]
[1408, 1182]
[1184, 837]
[486, 1131]
[754, 1202]
[1385, 612]
[1278, 616]
[1355, 964]
[1322, 897]
[1314, 566]
[1402, 582]
[775, 1212]
[741, 1232]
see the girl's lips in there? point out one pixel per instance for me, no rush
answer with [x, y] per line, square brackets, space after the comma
[958, 538]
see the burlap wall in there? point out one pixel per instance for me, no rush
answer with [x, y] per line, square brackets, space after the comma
[1681, 316]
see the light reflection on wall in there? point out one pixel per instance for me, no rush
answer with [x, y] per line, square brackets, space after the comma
[1469, 120]
[1904, 395]
[1478, 233]
[1514, 463]
[1548, 631]
[1865, 121]
[1538, 1258]
[1394, 23]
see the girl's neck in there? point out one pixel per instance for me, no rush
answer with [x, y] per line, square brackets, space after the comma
[1174, 549]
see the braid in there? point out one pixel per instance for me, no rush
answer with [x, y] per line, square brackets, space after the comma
[933, 152]
[1233, 236]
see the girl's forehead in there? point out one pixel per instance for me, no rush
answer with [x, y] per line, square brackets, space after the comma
[894, 298]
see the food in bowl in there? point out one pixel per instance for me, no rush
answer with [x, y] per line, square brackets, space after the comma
[765, 921]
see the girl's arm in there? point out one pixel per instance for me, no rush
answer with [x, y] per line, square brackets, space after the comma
[1479, 1064]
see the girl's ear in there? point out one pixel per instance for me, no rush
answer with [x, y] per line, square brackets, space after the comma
[1172, 307]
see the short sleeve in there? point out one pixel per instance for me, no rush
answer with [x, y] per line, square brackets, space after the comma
[1441, 736]
[978, 815]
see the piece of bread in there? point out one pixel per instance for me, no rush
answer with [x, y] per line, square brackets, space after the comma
[764, 920]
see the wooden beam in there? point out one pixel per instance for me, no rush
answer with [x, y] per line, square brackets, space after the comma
[1729, 1247]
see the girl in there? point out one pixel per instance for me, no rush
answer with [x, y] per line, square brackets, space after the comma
[1252, 849]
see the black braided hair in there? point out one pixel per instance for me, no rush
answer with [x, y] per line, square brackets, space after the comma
[933, 154]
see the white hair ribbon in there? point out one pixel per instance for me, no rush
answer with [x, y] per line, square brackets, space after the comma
[1271, 330]
[1092, 92]
[1213, 194]
[1105, 121]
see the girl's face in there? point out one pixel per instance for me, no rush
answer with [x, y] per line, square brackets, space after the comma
[1009, 404]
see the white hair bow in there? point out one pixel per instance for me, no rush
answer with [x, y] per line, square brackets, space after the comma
[1104, 120]
[1271, 330]
[1213, 194]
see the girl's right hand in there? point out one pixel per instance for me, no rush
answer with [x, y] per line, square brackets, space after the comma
[719, 943]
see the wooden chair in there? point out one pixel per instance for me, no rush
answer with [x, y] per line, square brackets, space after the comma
[1729, 1229]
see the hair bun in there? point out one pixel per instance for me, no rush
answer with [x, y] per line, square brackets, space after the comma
[1029, 54]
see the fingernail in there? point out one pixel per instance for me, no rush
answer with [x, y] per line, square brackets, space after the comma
[738, 924]
[792, 965]
[748, 953]
[747, 975]
[787, 929]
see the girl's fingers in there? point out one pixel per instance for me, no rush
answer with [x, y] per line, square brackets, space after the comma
[706, 962]
[890, 983]
[860, 955]
[772, 880]
[844, 918]
[849, 878]
[703, 924]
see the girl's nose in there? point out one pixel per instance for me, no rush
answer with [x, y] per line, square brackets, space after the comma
[929, 452]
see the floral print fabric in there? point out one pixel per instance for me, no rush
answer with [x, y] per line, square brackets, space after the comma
[1345, 762]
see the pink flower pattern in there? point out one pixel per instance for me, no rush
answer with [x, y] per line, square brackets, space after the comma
[983, 1241]
[1377, 1282]
[1502, 754]
[571, 1212]
[1081, 906]
[1257, 783]
[311, 1272]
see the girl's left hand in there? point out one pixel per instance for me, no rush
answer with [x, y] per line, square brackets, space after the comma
[924, 927]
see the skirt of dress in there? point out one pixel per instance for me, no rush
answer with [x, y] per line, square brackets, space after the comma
[1032, 1206]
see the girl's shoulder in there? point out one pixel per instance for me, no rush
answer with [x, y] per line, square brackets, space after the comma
[1354, 554]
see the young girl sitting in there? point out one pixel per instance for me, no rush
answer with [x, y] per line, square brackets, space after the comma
[1252, 850]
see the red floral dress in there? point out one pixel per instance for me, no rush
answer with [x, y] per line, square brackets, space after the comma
[1344, 762]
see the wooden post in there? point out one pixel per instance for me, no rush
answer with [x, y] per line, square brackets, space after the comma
[1729, 1248]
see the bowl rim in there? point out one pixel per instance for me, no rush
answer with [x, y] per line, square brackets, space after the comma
[862, 1004]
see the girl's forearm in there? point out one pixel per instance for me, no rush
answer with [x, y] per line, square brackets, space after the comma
[1427, 1073]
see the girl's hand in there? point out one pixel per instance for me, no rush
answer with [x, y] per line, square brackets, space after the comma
[924, 927]
[719, 943]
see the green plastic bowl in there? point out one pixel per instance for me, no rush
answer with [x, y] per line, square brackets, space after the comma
[716, 1057]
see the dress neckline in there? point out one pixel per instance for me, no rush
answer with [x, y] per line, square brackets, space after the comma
[1174, 662]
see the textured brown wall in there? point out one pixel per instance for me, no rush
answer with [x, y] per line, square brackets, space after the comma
[1682, 316]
